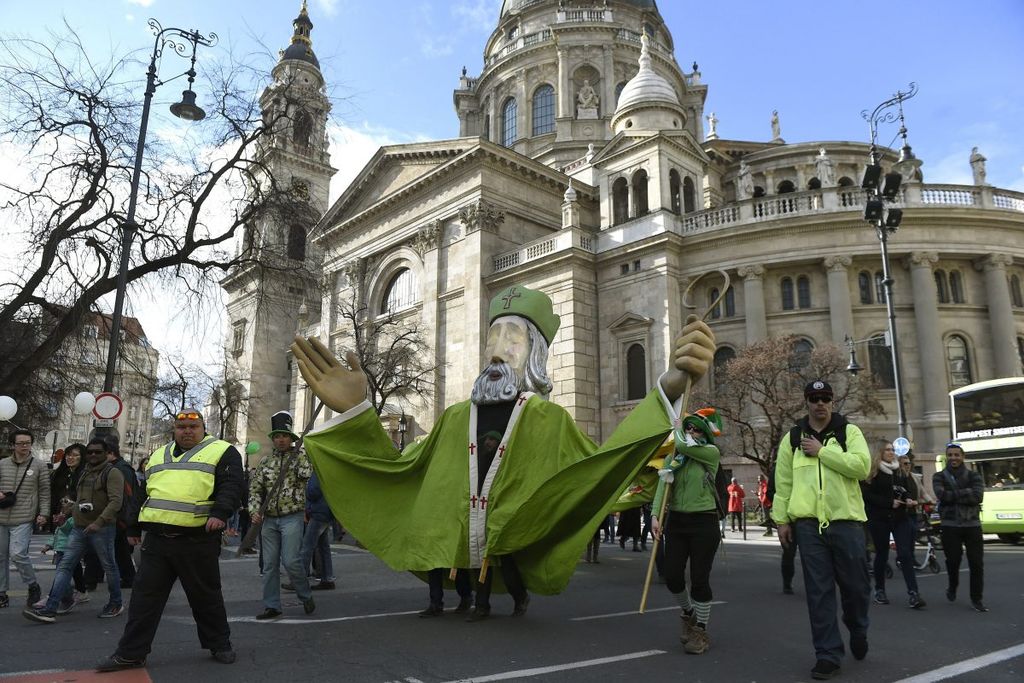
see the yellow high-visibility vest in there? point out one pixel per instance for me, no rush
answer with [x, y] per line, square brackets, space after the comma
[180, 490]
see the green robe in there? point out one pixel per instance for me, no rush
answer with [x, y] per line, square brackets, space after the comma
[551, 490]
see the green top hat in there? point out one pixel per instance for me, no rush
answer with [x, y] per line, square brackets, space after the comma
[531, 304]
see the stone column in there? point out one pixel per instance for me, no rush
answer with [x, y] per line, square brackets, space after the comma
[608, 84]
[1000, 314]
[934, 384]
[840, 311]
[564, 91]
[753, 302]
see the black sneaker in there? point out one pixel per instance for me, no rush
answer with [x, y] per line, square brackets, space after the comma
[520, 607]
[4, 600]
[916, 601]
[110, 611]
[787, 590]
[858, 647]
[465, 604]
[35, 594]
[824, 670]
[978, 606]
[118, 663]
[881, 598]
[43, 616]
[268, 613]
[479, 614]
[432, 610]
[288, 587]
[951, 594]
[323, 586]
[224, 656]
[308, 606]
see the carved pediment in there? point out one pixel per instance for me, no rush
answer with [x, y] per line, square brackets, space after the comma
[630, 322]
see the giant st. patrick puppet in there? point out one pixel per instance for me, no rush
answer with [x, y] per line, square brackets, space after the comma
[528, 503]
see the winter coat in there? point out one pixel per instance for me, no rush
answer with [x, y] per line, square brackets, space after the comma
[880, 492]
[316, 504]
[105, 496]
[959, 492]
[691, 491]
[736, 496]
[33, 497]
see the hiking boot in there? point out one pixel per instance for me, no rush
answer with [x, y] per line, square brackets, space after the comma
[432, 610]
[465, 604]
[323, 586]
[916, 602]
[689, 623]
[978, 606]
[43, 616]
[479, 614]
[110, 611]
[881, 598]
[35, 593]
[859, 647]
[824, 670]
[308, 606]
[699, 643]
[118, 663]
[268, 613]
[224, 656]
[521, 605]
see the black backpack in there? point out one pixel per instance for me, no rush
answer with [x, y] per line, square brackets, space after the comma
[720, 487]
[131, 501]
[837, 425]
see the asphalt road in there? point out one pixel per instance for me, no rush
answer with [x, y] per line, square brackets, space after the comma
[367, 630]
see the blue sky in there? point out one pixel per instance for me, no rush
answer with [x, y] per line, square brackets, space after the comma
[392, 66]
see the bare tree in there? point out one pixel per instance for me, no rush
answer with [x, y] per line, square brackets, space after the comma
[391, 347]
[75, 125]
[759, 394]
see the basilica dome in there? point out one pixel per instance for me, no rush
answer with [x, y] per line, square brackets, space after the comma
[512, 5]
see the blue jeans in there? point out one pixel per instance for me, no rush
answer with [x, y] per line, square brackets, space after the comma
[317, 538]
[282, 539]
[14, 540]
[835, 556]
[103, 543]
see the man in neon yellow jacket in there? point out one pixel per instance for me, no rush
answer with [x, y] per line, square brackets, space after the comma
[529, 507]
[818, 505]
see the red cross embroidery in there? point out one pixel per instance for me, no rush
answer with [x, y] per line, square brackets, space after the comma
[483, 503]
[512, 294]
[472, 448]
[501, 452]
[473, 501]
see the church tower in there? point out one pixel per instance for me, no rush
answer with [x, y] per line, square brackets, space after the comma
[266, 294]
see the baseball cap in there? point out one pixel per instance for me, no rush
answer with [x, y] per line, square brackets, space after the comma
[818, 388]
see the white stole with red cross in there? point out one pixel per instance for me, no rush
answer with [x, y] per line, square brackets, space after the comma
[478, 503]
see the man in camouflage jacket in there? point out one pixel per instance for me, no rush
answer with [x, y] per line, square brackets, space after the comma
[281, 510]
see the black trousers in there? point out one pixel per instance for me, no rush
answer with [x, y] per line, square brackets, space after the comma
[691, 538]
[513, 582]
[193, 560]
[954, 541]
[435, 581]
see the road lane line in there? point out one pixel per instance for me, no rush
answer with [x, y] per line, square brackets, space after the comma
[39, 672]
[634, 612]
[291, 621]
[966, 666]
[542, 670]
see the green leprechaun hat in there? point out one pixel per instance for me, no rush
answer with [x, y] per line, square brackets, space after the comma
[531, 304]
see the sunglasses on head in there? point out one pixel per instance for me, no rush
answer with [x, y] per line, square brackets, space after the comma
[819, 398]
[188, 416]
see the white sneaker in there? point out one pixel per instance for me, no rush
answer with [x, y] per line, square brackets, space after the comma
[81, 597]
[41, 604]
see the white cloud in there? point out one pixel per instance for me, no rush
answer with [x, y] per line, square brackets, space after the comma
[478, 15]
[129, 17]
[328, 7]
[140, 3]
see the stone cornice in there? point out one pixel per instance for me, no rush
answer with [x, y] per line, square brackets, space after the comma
[993, 262]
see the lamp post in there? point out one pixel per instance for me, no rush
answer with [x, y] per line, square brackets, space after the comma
[879, 191]
[403, 424]
[178, 40]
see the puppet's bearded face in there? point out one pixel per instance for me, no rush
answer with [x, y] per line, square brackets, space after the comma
[507, 350]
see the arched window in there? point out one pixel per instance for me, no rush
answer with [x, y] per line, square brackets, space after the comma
[723, 355]
[1020, 352]
[956, 287]
[400, 292]
[636, 373]
[958, 358]
[813, 184]
[785, 187]
[730, 302]
[758, 191]
[509, 112]
[543, 110]
[864, 286]
[845, 182]
[296, 243]
[787, 294]
[803, 292]
[302, 130]
[640, 206]
[675, 191]
[689, 195]
[941, 290]
[800, 355]
[880, 360]
[1015, 294]
[620, 201]
[716, 306]
[879, 287]
[618, 91]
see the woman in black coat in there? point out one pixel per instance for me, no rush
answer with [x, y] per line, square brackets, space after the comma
[65, 478]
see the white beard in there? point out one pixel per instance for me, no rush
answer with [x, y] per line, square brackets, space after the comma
[502, 390]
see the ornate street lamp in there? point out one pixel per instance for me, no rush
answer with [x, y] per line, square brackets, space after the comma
[403, 425]
[880, 190]
[179, 40]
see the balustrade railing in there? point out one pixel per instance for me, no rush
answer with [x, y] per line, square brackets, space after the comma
[521, 43]
[551, 244]
[956, 195]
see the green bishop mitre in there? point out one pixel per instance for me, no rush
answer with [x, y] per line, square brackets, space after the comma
[531, 304]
